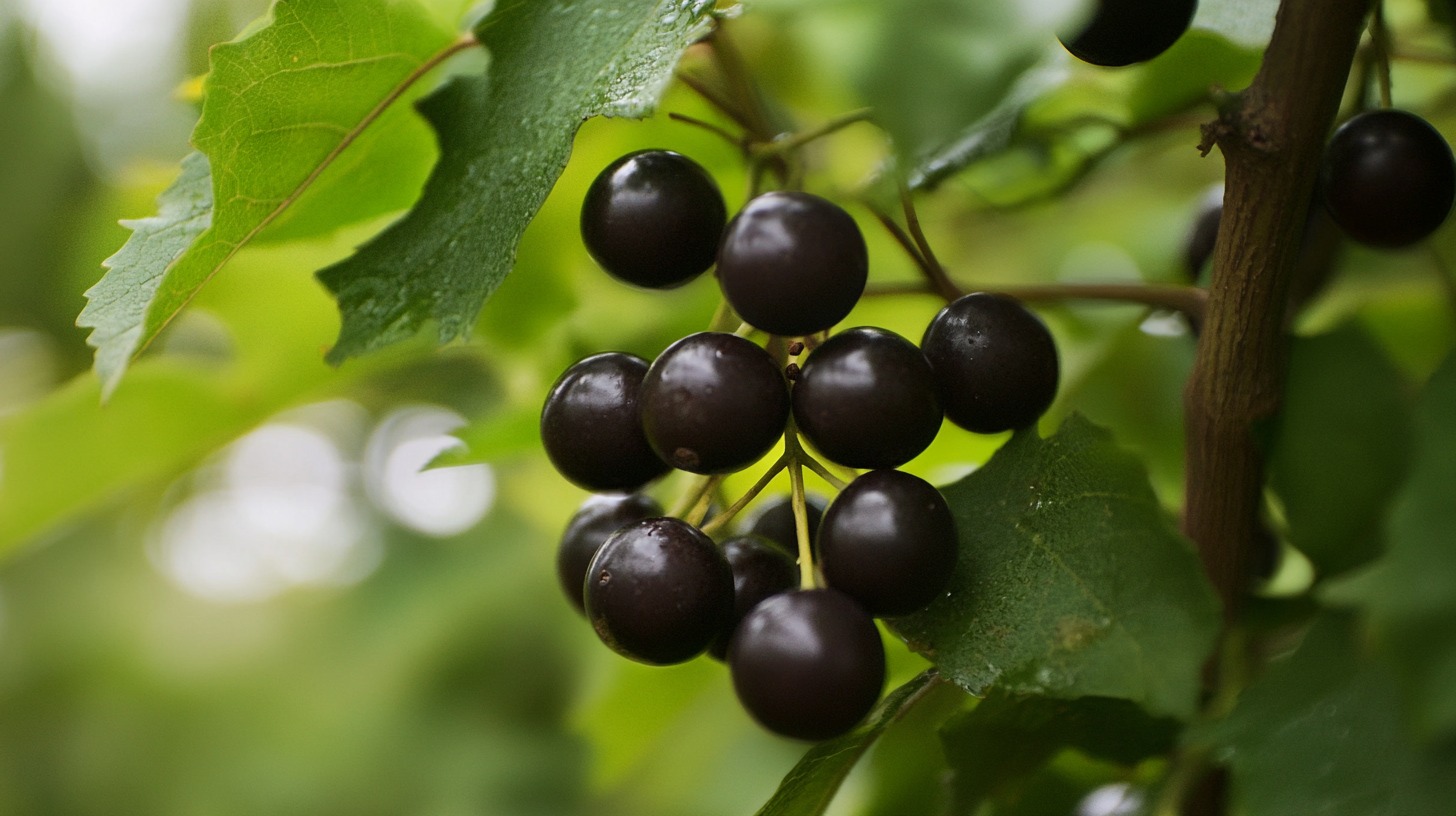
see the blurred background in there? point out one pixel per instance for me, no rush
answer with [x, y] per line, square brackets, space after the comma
[237, 590]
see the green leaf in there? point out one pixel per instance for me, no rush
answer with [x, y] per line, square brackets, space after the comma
[1336, 460]
[1004, 739]
[1322, 733]
[1188, 72]
[281, 104]
[116, 307]
[504, 139]
[929, 81]
[1410, 593]
[810, 786]
[1071, 581]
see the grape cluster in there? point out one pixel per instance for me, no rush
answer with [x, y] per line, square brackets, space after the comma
[800, 642]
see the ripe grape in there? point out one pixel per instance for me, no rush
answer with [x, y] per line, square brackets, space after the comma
[714, 403]
[1388, 178]
[590, 425]
[1122, 32]
[807, 664]
[591, 526]
[659, 591]
[995, 362]
[792, 263]
[654, 219]
[888, 540]
[866, 398]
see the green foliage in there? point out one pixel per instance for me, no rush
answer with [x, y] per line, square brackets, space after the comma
[1071, 581]
[451, 678]
[504, 140]
[1410, 593]
[1323, 732]
[999, 744]
[808, 789]
[1324, 437]
[281, 104]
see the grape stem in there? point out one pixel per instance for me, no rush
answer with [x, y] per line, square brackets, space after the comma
[794, 453]
[722, 519]
[696, 496]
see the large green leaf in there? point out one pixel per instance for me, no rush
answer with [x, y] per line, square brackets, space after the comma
[941, 65]
[1071, 580]
[810, 786]
[997, 745]
[1323, 733]
[1410, 594]
[504, 139]
[281, 106]
[1337, 460]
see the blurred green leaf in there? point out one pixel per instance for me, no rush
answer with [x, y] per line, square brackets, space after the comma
[503, 435]
[942, 65]
[810, 786]
[281, 104]
[1410, 593]
[1323, 732]
[117, 305]
[504, 139]
[997, 745]
[1071, 580]
[1341, 447]
[1188, 72]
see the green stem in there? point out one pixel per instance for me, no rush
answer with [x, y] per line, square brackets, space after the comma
[793, 451]
[1380, 39]
[722, 519]
[794, 141]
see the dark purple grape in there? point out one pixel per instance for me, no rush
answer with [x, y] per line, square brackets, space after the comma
[659, 591]
[714, 403]
[654, 219]
[807, 664]
[774, 521]
[792, 263]
[591, 428]
[760, 570]
[1122, 32]
[888, 540]
[866, 398]
[995, 362]
[1388, 178]
[591, 526]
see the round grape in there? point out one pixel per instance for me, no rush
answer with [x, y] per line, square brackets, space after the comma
[1122, 32]
[995, 363]
[654, 219]
[760, 570]
[866, 398]
[807, 664]
[659, 591]
[792, 263]
[1388, 178]
[590, 425]
[591, 526]
[888, 540]
[714, 403]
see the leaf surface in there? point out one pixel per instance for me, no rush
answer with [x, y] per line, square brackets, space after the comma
[1070, 582]
[1004, 739]
[809, 788]
[1410, 593]
[504, 139]
[1336, 460]
[1323, 733]
[281, 105]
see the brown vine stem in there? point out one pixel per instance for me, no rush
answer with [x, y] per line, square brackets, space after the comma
[1272, 136]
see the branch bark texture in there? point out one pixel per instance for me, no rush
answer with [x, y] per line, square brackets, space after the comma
[1272, 136]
